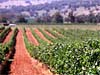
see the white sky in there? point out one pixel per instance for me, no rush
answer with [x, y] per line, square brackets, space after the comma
[23, 2]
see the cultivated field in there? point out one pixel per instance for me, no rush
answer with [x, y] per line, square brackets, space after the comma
[50, 50]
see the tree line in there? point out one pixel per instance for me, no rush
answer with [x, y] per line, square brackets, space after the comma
[56, 18]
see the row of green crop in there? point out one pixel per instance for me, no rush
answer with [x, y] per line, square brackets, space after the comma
[42, 42]
[1, 28]
[58, 38]
[71, 59]
[29, 46]
[4, 34]
[77, 54]
[79, 35]
[6, 48]
[54, 33]
[47, 36]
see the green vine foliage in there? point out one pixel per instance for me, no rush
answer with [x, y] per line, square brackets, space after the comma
[77, 54]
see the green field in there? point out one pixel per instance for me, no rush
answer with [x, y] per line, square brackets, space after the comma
[75, 50]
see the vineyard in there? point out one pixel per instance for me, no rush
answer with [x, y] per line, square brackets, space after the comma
[49, 51]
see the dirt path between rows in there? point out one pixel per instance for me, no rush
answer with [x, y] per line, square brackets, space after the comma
[41, 35]
[60, 34]
[8, 37]
[23, 64]
[49, 34]
[31, 38]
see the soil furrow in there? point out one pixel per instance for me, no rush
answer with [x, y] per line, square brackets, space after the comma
[23, 63]
[49, 34]
[31, 38]
[8, 37]
[41, 35]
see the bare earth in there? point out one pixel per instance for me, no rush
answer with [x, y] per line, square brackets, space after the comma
[23, 64]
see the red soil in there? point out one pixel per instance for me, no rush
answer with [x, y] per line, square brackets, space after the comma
[23, 64]
[49, 34]
[41, 35]
[8, 37]
[59, 34]
[31, 38]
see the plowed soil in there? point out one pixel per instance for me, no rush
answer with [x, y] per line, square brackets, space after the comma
[8, 37]
[41, 35]
[49, 34]
[59, 34]
[31, 38]
[23, 64]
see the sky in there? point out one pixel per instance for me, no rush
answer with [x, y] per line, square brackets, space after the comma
[8, 3]
[23, 2]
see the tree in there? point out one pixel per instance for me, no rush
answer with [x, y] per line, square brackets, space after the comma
[22, 19]
[92, 18]
[58, 18]
[4, 20]
[98, 18]
[81, 19]
[72, 17]
[38, 20]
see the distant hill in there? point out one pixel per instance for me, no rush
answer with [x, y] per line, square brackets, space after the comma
[33, 6]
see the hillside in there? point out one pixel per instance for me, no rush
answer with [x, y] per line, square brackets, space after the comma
[38, 8]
